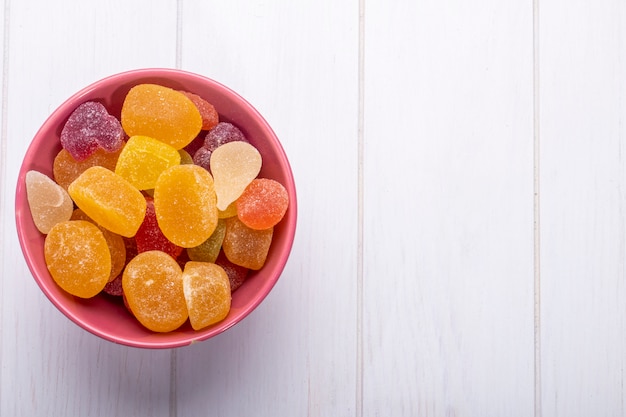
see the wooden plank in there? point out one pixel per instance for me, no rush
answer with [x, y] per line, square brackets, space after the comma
[448, 209]
[50, 366]
[582, 200]
[296, 62]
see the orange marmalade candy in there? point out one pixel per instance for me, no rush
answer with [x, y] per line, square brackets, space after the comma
[244, 246]
[116, 244]
[161, 113]
[153, 286]
[233, 165]
[263, 204]
[66, 169]
[184, 202]
[78, 257]
[143, 159]
[110, 200]
[49, 203]
[207, 293]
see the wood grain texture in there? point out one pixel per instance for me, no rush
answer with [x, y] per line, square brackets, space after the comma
[410, 287]
[448, 230]
[297, 64]
[583, 267]
[50, 366]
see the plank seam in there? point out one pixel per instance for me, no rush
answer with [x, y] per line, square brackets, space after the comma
[360, 217]
[536, 212]
[3, 152]
[173, 400]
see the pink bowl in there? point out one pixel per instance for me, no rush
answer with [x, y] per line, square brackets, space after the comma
[106, 316]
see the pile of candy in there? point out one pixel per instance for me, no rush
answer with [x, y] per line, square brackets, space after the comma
[162, 207]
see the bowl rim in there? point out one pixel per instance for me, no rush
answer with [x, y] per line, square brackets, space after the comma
[72, 102]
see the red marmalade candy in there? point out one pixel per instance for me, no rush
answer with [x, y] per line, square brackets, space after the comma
[89, 127]
[149, 236]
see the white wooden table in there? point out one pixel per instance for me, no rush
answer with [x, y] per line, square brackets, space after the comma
[461, 173]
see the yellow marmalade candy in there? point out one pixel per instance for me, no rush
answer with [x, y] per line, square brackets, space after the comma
[109, 200]
[143, 159]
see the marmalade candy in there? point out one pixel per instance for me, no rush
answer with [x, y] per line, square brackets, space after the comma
[49, 203]
[66, 169]
[262, 204]
[161, 113]
[184, 202]
[209, 115]
[109, 200]
[78, 257]
[233, 165]
[208, 250]
[244, 246]
[116, 244]
[143, 159]
[89, 127]
[153, 287]
[207, 293]
[150, 237]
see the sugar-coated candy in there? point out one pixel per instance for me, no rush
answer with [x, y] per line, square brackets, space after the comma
[114, 287]
[89, 127]
[78, 257]
[153, 286]
[161, 113]
[195, 144]
[207, 293]
[208, 250]
[230, 211]
[49, 203]
[233, 165]
[66, 169]
[244, 246]
[262, 204]
[185, 158]
[110, 200]
[143, 159]
[236, 274]
[184, 202]
[210, 118]
[150, 237]
[202, 158]
[115, 242]
[221, 134]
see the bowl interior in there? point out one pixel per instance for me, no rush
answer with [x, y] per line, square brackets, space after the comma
[104, 315]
